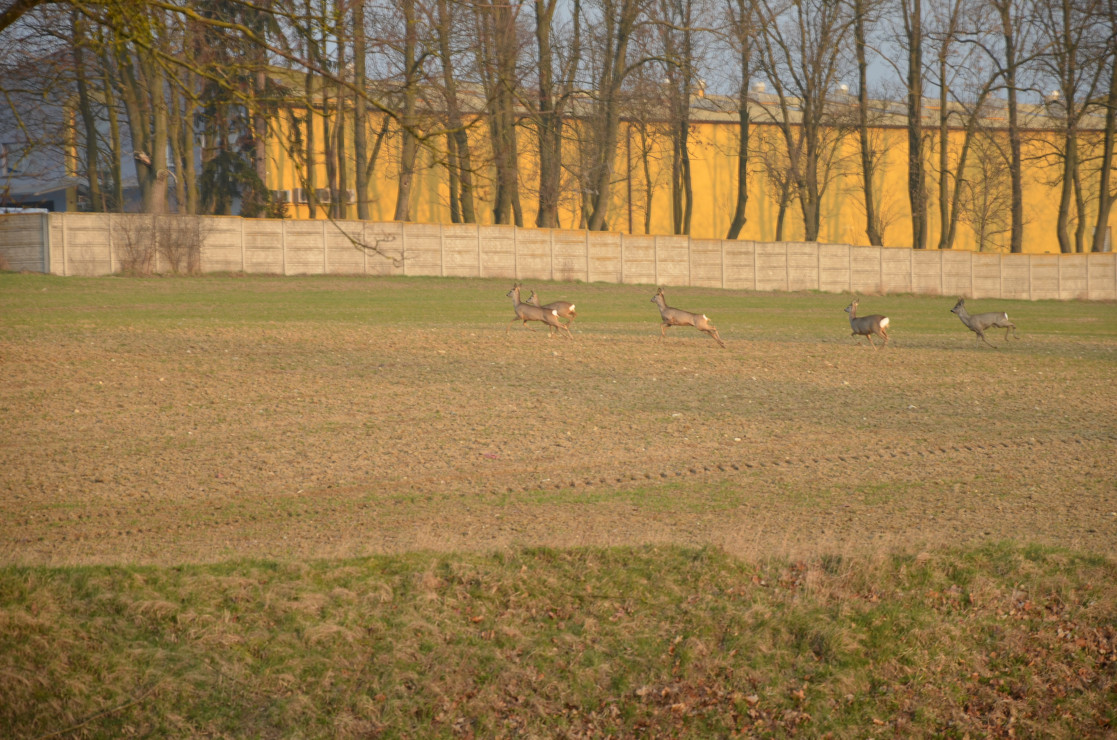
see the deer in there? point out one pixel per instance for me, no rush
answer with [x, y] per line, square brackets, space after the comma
[565, 308]
[525, 312]
[867, 326]
[679, 317]
[978, 323]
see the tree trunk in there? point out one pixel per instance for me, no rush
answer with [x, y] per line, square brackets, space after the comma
[917, 195]
[89, 123]
[1008, 35]
[410, 146]
[1105, 189]
[873, 228]
[459, 160]
[360, 111]
[743, 122]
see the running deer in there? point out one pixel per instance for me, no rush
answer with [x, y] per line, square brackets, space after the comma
[525, 312]
[867, 326]
[679, 317]
[978, 323]
[565, 308]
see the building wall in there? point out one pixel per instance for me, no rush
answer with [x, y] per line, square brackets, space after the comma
[713, 157]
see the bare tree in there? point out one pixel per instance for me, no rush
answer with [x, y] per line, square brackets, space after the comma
[871, 154]
[802, 54]
[1014, 18]
[964, 86]
[680, 41]
[741, 32]
[459, 159]
[986, 192]
[912, 40]
[1069, 33]
[498, 51]
[411, 60]
[558, 70]
[1106, 194]
[615, 23]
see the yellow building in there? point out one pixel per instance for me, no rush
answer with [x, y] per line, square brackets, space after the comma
[643, 156]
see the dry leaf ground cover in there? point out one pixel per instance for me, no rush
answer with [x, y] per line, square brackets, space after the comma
[218, 423]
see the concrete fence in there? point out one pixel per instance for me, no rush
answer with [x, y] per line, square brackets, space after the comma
[102, 244]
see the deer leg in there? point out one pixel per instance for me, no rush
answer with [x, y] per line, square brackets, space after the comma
[713, 332]
[982, 335]
[663, 330]
[884, 334]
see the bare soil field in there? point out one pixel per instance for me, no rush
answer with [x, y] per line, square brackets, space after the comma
[167, 435]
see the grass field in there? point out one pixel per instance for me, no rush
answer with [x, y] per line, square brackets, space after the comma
[336, 507]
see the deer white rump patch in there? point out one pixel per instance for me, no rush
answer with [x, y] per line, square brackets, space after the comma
[571, 306]
[554, 312]
[705, 317]
[883, 323]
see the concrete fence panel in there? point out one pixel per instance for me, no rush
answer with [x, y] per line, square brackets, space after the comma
[926, 272]
[740, 265]
[422, 249]
[986, 276]
[672, 256]
[497, 248]
[223, 243]
[895, 270]
[22, 237]
[344, 253]
[86, 242]
[262, 249]
[461, 250]
[102, 244]
[570, 260]
[639, 259]
[1015, 277]
[605, 261]
[705, 262]
[1043, 276]
[957, 273]
[865, 270]
[533, 255]
[1102, 276]
[1073, 279]
[383, 247]
[304, 252]
[770, 266]
[802, 266]
[834, 268]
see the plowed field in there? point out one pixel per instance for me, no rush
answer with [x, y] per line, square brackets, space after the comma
[170, 421]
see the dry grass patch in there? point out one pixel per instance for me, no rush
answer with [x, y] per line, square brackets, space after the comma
[621, 642]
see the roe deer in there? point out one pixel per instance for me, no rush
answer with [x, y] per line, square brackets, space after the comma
[978, 323]
[867, 326]
[679, 317]
[525, 312]
[565, 308]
